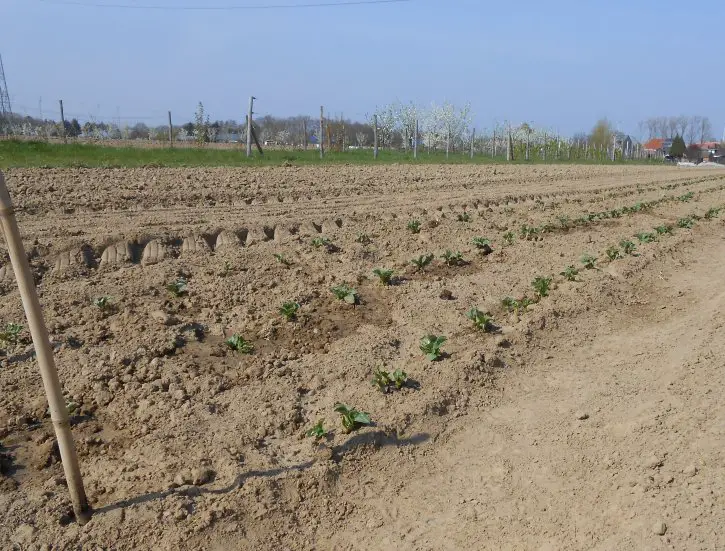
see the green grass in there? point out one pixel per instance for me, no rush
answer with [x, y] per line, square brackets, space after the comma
[26, 154]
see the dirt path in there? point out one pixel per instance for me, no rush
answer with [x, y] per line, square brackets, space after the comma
[529, 474]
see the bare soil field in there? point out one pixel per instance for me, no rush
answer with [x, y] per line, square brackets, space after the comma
[589, 418]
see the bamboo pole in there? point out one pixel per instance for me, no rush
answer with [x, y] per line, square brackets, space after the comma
[44, 353]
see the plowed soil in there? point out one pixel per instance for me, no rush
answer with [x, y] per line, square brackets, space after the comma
[592, 419]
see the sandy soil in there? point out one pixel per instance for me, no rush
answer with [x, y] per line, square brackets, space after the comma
[590, 420]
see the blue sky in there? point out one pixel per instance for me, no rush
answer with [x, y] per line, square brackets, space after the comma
[560, 64]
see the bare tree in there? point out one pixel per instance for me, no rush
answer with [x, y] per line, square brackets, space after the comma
[705, 129]
[693, 129]
[362, 139]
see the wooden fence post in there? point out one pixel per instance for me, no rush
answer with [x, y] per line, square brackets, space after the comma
[375, 136]
[473, 141]
[415, 141]
[171, 132]
[322, 133]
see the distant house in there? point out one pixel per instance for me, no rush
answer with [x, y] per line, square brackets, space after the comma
[625, 144]
[657, 147]
[711, 150]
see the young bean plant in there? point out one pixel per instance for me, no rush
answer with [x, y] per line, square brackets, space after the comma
[627, 246]
[318, 432]
[364, 239]
[385, 276]
[422, 261]
[465, 217]
[588, 261]
[177, 288]
[399, 378]
[281, 259]
[10, 335]
[352, 419]
[509, 237]
[381, 379]
[712, 213]
[663, 230]
[646, 237]
[541, 286]
[240, 344]
[346, 293]
[102, 303]
[483, 245]
[414, 226]
[686, 223]
[289, 310]
[319, 242]
[453, 259]
[431, 345]
[570, 273]
[514, 305]
[613, 253]
[481, 320]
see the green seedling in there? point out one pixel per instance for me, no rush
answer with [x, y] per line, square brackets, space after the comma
[483, 245]
[346, 293]
[570, 273]
[422, 261]
[686, 197]
[509, 237]
[627, 246]
[385, 276]
[282, 259]
[414, 226]
[547, 228]
[712, 213]
[588, 261]
[318, 242]
[564, 222]
[240, 344]
[646, 237]
[686, 223]
[452, 259]
[102, 303]
[381, 379]
[515, 305]
[528, 232]
[177, 288]
[399, 377]
[289, 310]
[11, 334]
[431, 345]
[616, 213]
[352, 419]
[663, 230]
[613, 253]
[363, 238]
[465, 217]
[481, 320]
[541, 286]
[317, 432]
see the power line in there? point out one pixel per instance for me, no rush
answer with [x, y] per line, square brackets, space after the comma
[224, 8]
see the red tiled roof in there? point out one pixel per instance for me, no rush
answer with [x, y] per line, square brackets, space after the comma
[708, 145]
[655, 144]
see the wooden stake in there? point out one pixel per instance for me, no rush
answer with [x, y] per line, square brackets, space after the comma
[44, 353]
[375, 136]
[473, 140]
[171, 132]
[304, 133]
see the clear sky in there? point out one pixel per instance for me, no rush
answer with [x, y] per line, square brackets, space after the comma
[560, 64]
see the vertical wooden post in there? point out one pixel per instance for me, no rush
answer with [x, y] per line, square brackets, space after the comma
[528, 144]
[62, 122]
[342, 119]
[448, 142]
[171, 132]
[493, 145]
[375, 136]
[249, 126]
[304, 133]
[322, 133]
[545, 138]
[44, 354]
[415, 141]
[473, 141]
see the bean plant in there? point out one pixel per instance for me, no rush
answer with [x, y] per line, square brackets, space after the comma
[422, 261]
[414, 226]
[240, 344]
[318, 431]
[481, 320]
[570, 273]
[613, 253]
[346, 293]
[352, 419]
[431, 345]
[385, 276]
[453, 259]
[178, 288]
[10, 336]
[627, 246]
[541, 286]
[289, 310]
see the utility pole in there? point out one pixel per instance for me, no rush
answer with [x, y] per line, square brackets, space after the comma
[322, 133]
[62, 122]
[249, 126]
